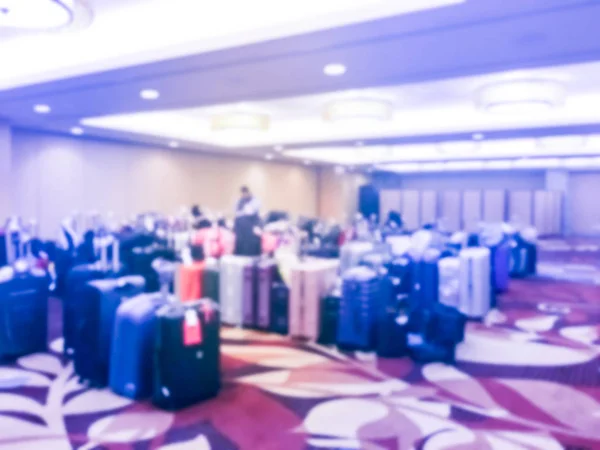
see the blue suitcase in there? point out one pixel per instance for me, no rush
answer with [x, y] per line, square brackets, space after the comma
[95, 316]
[400, 273]
[446, 325]
[23, 312]
[391, 333]
[426, 278]
[280, 307]
[359, 306]
[76, 282]
[187, 354]
[131, 365]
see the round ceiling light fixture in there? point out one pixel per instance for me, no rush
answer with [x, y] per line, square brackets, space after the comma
[42, 108]
[358, 109]
[149, 94]
[240, 121]
[31, 15]
[521, 97]
[77, 131]
[334, 70]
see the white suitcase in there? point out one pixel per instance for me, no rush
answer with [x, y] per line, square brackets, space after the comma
[311, 280]
[449, 281]
[231, 288]
[475, 282]
[399, 244]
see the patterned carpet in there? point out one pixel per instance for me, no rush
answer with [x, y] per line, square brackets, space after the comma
[526, 378]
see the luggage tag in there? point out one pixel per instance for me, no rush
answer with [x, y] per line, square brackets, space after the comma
[192, 329]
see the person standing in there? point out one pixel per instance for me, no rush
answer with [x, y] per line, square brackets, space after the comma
[247, 220]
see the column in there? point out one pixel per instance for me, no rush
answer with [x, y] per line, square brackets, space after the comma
[558, 181]
[6, 187]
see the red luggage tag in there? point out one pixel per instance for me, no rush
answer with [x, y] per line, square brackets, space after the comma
[192, 329]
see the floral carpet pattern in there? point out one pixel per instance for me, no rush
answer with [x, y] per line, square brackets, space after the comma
[527, 377]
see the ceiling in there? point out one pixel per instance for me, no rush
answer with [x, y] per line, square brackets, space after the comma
[428, 63]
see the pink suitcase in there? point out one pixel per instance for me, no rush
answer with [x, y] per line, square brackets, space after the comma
[311, 280]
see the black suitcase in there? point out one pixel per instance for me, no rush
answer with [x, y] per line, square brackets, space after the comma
[141, 263]
[400, 271]
[23, 312]
[330, 309]
[391, 333]
[427, 352]
[76, 282]
[95, 314]
[446, 325]
[280, 303]
[187, 354]
[210, 282]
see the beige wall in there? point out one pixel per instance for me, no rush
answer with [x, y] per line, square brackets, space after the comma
[53, 176]
[338, 194]
[584, 205]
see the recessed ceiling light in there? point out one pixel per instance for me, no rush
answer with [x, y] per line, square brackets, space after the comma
[149, 94]
[307, 162]
[334, 69]
[77, 131]
[173, 144]
[268, 157]
[478, 136]
[278, 148]
[359, 143]
[42, 109]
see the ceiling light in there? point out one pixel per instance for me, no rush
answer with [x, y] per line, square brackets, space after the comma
[77, 131]
[173, 144]
[499, 164]
[569, 142]
[240, 121]
[42, 109]
[334, 70]
[521, 97]
[360, 108]
[464, 165]
[149, 94]
[278, 148]
[36, 14]
[478, 136]
[401, 168]
[359, 143]
[307, 162]
[458, 147]
[268, 157]
[339, 170]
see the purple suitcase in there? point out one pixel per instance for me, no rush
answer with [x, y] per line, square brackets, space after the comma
[249, 296]
[265, 277]
[501, 267]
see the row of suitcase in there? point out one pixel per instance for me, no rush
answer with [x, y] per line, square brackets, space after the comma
[144, 345]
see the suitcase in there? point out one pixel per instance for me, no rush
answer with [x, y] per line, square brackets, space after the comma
[446, 326]
[76, 282]
[359, 309]
[427, 352]
[141, 260]
[23, 311]
[475, 283]
[210, 281]
[95, 317]
[131, 361]
[310, 281]
[190, 281]
[426, 278]
[329, 316]
[400, 271]
[500, 262]
[266, 271]
[351, 254]
[186, 354]
[237, 289]
[391, 334]
[280, 299]
[449, 281]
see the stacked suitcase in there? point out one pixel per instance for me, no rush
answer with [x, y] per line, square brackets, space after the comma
[237, 290]
[360, 303]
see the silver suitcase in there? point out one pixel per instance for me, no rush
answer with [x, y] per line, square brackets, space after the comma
[352, 253]
[311, 281]
[233, 297]
[449, 281]
[475, 282]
